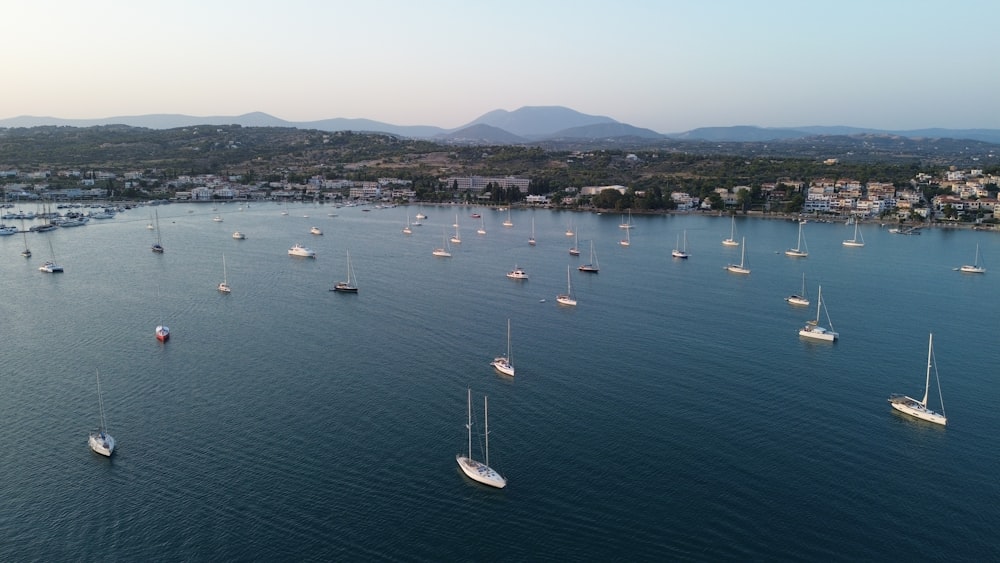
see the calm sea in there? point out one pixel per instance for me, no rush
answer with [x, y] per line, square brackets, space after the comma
[674, 414]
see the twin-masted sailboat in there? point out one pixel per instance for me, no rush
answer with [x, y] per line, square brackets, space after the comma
[480, 471]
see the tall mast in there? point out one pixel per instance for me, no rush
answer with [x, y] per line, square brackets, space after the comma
[468, 425]
[486, 428]
[927, 385]
[819, 302]
[509, 361]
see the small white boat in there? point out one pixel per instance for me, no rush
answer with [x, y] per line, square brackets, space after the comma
[575, 251]
[517, 273]
[567, 298]
[299, 250]
[420, 216]
[627, 241]
[531, 239]
[100, 441]
[858, 240]
[799, 298]
[51, 266]
[239, 236]
[731, 241]
[456, 239]
[504, 364]
[406, 229]
[224, 284]
[681, 251]
[316, 231]
[918, 409]
[799, 251]
[445, 250]
[813, 330]
[626, 224]
[482, 226]
[507, 222]
[742, 267]
[217, 218]
[974, 268]
[476, 470]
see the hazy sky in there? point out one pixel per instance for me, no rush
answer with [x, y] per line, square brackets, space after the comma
[668, 65]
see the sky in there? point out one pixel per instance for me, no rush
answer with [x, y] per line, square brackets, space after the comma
[666, 65]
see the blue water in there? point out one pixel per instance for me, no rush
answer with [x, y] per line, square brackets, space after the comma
[674, 414]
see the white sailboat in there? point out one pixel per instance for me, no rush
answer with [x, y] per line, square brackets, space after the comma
[626, 224]
[731, 241]
[799, 298]
[100, 441]
[740, 268]
[475, 470]
[568, 298]
[918, 409]
[507, 222]
[445, 249]
[504, 364]
[592, 267]
[858, 240]
[799, 251]
[456, 239]
[812, 328]
[407, 230]
[351, 284]
[531, 240]
[974, 268]
[51, 266]
[482, 226]
[224, 286]
[569, 230]
[157, 246]
[681, 251]
[627, 241]
[575, 251]
[26, 252]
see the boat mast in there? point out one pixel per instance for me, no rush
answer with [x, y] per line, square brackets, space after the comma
[927, 385]
[468, 425]
[509, 361]
[819, 303]
[100, 401]
[486, 428]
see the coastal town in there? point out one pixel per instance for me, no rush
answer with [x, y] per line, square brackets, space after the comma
[954, 195]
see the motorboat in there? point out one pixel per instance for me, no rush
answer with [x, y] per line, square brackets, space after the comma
[162, 333]
[239, 236]
[316, 231]
[299, 250]
[517, 274]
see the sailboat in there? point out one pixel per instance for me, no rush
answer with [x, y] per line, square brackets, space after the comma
[149, 225]
[626, 224]
[482, 226]
[406, 229]
[592, 267]
[475, 470]
[740, 268]
[503, 364]
[224, 286]
[812, 328]
[508, 222]
[799, 298]
[975, 267]
[51, 266]
[681, 251]
[731, 241]
[444, 251]
[858, 239]
[100, 441]
[575, 251]
[351, 285]
[627, 241]
[799, 251]
[157, 246]
[162, 332]
[531, 239]
[456, 239]
[919, 409]
[26, 252]
[569, 230]
[567, 299]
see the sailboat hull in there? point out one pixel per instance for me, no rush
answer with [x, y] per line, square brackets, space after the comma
[818, 333]
[503, 366]
[914, 408]
[101, 443]
[480, 472]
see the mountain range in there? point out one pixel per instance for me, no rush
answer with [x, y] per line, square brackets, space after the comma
[529, 124]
